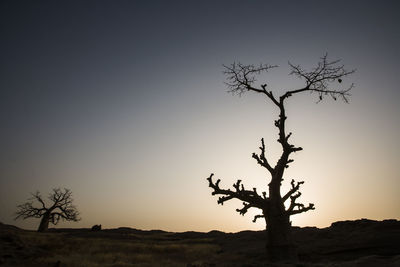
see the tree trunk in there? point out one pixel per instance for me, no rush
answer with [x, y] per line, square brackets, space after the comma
[280, 244]
[44, 223]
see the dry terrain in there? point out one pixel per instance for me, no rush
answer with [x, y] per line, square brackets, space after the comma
[349, 243]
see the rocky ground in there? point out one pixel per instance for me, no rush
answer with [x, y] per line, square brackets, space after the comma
[347, 243]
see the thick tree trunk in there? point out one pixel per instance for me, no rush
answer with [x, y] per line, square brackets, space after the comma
[280, 244]
[44, 223]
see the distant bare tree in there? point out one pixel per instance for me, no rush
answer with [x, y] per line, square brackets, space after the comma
[240, 79]
[61, 207]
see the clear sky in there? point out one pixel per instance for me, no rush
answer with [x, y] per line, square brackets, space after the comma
[124, 102]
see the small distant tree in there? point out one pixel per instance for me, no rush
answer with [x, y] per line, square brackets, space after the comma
[61, 207]
[242, 78]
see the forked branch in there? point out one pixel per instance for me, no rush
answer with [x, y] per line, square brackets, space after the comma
[250, 198]
[241, 78]
[299, 208]
[294, 189]
[318, 79]
[294, 194]
[261, 159]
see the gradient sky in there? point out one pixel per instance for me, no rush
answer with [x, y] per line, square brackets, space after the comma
[124, 102]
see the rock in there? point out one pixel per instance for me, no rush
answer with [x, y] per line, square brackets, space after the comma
[96, 227]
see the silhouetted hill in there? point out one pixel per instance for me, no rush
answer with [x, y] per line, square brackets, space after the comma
[346, 243]
[347, 240]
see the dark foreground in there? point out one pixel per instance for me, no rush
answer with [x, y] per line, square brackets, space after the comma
[350, 243]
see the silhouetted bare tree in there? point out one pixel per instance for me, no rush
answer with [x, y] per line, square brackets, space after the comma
[60, 208]
[241, 78]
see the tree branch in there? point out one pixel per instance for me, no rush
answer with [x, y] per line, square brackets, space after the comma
[301, 208]
[246, 207]
[241, 78]
[250, 198]
[27, 210]
[38, 197]
[295, 188]
[319, 79]
[258, 217]
[294, 207]
[261, 159]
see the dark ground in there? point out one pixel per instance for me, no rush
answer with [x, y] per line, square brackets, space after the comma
[348, 243]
